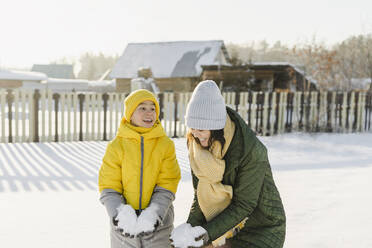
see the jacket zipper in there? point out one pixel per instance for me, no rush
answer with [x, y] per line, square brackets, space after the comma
[141, 176]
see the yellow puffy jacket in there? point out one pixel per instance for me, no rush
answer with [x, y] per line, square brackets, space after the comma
[135, 163]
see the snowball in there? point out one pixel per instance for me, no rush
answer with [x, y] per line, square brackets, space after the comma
[184, 236]
[127, 219]
[147, 220]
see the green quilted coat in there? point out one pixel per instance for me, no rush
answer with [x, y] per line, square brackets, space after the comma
[254, 194]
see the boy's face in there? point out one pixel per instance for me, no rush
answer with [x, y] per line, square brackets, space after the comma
[144, 115]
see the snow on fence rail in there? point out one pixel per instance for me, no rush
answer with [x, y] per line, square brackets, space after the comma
[44, 116]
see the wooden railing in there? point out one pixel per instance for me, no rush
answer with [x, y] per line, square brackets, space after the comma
[44, 116]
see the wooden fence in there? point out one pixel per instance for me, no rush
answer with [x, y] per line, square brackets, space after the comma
[44, 116]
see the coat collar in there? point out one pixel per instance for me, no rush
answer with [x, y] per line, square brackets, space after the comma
[242, 143]
[127, 131]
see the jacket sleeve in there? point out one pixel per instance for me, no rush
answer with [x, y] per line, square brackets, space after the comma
[196, 216]
[111, 199]
[169, 175]
[246, 192]
[110, 172]
[163, 198]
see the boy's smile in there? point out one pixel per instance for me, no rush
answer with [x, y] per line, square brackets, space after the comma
[144, 115]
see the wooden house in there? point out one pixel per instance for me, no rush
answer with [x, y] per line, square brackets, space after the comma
[229, 78]
[265, 76]
[280, 76]
[176, 66]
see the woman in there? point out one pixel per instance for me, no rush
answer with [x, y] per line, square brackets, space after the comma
[235, 199]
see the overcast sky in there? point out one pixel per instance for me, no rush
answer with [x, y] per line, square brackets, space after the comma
[38, 31]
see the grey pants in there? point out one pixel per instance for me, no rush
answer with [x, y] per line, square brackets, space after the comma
[159, 239]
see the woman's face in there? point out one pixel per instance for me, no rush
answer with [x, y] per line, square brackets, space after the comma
[202, 135]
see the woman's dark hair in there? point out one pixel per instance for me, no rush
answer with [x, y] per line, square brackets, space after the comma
[216, 135]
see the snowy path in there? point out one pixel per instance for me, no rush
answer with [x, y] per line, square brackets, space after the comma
[49, 198]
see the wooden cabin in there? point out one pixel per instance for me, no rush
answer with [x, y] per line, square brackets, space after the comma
[280, 76]
[229, 78]
[176, 66]
[258, 77]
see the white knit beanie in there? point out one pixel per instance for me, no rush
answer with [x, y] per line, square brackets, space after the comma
[206, 109]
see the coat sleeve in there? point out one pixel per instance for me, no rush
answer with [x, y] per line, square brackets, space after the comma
[111, 199]
[246, 192]
[110, 176]
[169, 175]
[162, 198]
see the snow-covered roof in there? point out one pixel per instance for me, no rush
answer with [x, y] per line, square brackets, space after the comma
[22, 75]
[66, 85]
[66, 81]
[102, 83]
[361, 83]
[170, 59]
[55, 70]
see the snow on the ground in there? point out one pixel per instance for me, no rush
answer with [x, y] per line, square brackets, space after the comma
[49, 195]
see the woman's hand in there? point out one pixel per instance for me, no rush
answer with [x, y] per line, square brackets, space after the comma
[186, 236]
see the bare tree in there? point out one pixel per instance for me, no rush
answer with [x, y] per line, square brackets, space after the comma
[93, 66]
[332, 67]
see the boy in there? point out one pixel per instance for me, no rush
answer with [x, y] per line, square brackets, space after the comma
[139, 176]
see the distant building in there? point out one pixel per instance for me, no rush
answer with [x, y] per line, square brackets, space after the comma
[176, 66]
[65, 71]
[259, 76]
[228, 77]
[280, 76]
[361, 84]
[11, 79]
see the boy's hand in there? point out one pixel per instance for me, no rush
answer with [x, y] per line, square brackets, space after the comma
[186, 236]
[126, 220]
[148, 221]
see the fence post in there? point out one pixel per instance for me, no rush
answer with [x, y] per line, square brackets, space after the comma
[344, 112]
[237, 100]
[81, 105]
[368, 111]
[105, 97]
[265, 114]
[288, 124]
[9, 99]
[253, 112]
[175, 99]
[272, 112]
[36, 115]
[361, 106]
[352, 112]
[56, 100]
[161, 105]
